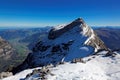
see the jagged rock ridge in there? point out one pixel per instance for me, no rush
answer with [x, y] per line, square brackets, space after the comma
[64, 43]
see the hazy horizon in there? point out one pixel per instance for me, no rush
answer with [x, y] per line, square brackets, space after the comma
[22, 27]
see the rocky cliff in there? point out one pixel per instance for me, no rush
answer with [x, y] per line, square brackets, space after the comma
[6, 54]
[5, 49]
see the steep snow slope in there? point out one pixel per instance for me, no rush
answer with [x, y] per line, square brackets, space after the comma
[96, 67]
[68, 42]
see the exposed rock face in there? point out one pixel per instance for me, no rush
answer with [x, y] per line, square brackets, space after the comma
[64, 43]
[5, 48]
[6, 54]
[40, 72]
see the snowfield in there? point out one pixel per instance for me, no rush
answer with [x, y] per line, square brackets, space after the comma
[96, 67]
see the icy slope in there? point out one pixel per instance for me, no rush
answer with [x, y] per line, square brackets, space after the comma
[66, 43]
[94, 68]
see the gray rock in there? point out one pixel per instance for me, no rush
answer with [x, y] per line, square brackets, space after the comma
[5, 74]
[6, 55]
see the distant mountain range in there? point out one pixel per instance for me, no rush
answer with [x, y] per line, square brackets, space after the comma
[110, 36]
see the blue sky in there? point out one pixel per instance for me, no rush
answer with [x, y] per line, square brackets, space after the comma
[55, 12]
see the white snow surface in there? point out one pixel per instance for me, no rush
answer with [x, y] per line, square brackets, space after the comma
[58, 27]
[19, 75]
[94, 68]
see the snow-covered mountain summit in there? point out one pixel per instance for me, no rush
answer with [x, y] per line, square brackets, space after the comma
[83, 29]
[64, 43]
